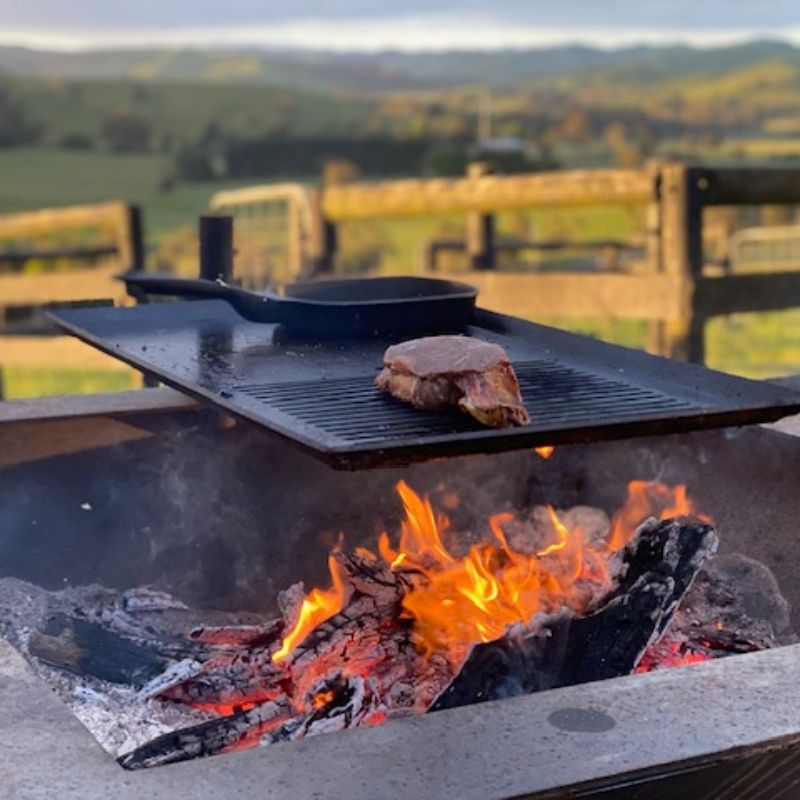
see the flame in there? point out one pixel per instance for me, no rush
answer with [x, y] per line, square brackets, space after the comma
[317, 606]
[456, 600]
[650, 499]
[545, 451]
[321, 699]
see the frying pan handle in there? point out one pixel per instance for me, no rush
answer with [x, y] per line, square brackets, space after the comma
[153, 283]
[258, 307]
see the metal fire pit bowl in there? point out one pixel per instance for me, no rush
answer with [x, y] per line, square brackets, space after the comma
[725, 729]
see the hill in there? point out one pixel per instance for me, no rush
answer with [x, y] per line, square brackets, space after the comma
[384, 71]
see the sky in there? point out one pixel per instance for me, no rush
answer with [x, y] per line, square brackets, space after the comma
[406, 25]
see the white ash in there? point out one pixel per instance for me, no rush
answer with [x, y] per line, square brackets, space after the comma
[121, 718]
[143, 599]
[115, 715]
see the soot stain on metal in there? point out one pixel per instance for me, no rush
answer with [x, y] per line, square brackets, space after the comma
[581, 720]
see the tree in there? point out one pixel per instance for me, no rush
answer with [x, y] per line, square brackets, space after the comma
[336, 171]
[445, 158]
[575, 125]
[15, 128]
[126, 132]
[625, 152]
[192, 163]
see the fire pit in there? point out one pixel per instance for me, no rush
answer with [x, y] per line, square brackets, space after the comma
[141, 578]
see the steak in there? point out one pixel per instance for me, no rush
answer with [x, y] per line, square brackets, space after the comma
[437, 372]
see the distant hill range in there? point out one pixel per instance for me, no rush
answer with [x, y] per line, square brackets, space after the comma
[389, 71]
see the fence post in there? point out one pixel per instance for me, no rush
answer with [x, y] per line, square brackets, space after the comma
[681, 255]
[215, 234]
[321, 249]
[294, 232]
[480, 226]
[131, 238]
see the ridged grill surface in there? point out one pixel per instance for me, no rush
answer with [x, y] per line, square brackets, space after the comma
[354, 412]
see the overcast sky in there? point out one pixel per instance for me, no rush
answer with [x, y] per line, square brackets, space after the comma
[408, 24]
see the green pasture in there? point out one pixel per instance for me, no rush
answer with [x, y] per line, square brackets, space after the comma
[32, 178]
[34, 382]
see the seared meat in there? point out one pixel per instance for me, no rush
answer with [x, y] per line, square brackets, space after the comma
[440, 371]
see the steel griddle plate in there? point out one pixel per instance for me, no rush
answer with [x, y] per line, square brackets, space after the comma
[322, 395]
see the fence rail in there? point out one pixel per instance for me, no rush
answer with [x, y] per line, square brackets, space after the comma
[94, 243]
[670, 286]
[487, 193]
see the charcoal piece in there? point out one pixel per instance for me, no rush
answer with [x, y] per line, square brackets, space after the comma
[176, 674]
[87, 648]
[656, 569]
[740, 595]
[714, 642]
[205, 739]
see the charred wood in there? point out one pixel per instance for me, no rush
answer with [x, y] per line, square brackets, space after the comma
[88, 648]
[239, 635]
[655, 570]
[206, 738]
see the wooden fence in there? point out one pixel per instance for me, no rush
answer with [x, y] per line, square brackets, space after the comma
[670, 288]
[112, 242]
[77, 251]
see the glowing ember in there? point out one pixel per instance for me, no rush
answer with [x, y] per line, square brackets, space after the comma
[545, 451]
[322, 699]
[456, 601]
[669, 654]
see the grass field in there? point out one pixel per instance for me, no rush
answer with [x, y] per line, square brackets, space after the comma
[34, 382]
[39, 178]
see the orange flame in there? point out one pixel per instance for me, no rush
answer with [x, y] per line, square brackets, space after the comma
[650, 499]
[545, 451]
[456, 601]
[321, 699]
[317, 606]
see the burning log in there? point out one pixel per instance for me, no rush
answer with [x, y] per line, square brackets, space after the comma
[226, 680]
[655, 571]
[395, 633]
[347, 701]
[309, 692]
[373, 594]
[238, 635]
[207, 738]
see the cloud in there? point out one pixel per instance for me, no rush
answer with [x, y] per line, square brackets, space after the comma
[370, 24]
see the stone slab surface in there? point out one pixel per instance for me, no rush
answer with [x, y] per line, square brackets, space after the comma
[510, 748]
